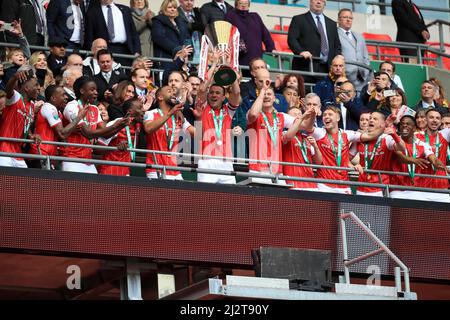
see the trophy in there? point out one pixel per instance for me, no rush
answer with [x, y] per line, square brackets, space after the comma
[223, 36]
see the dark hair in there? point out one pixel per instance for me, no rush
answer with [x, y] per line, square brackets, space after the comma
[102, 52]
[420, 110]
[333, 108]
[377, 74]
[379, 112]
[128, 104]
[218, 85]
[118, 92]
[250, 64]
[401, 93]
[446, 115]
[50, 91]
[432, 110]
[342, 10]
[300, 80]
[388, 62]
[291, 88]
[79, 83]
[410, 117]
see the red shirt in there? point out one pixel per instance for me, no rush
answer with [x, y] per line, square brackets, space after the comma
[422, 151]
[92, 119]
[444, 138]
[46, 120]
[159, 141]
[292, 152]
[120, 156]
[261, 145]
[211, 144]
[381, 161]
[329, 159]
[16, 117]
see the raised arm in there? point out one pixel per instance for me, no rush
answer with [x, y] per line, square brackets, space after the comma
[256, 108]
[152, 126]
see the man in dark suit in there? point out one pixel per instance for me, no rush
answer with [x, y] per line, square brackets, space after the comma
[113, 22]
[33, 19]
[312, 34]
[191, 16]
[427, 93]
[107, 77]
[66, 20]
[214, 11]
[410, 26]
[57, 57]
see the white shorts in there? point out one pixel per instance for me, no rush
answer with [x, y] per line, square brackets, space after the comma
[12, 162]
[406, 194]
[78, 167]
[438, 197]
[324, 188]
[370, 194]
[154, 175]
[264, 180]
[215, 178]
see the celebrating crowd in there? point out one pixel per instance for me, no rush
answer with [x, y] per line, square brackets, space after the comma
[352, 118]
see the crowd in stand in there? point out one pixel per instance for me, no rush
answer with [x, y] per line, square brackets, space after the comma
[352, 118]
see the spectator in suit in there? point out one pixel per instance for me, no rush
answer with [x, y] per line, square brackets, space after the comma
[313, 34]
[113, 22]
[65, 20]
[253, 33]
[353, 49]
[325, 88]
[169, 32]
[191, 15]
[108, 76]
[214, 11]
[74, 61]
[427, 93]
[69, 76]
[57, 57]
[410, 26]
[32, 14]
[250, 86]
[142, 18]
[90, 64]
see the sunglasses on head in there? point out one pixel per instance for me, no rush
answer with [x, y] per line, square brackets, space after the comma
[338, 84]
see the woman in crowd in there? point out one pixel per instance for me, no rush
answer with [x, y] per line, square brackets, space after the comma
[123, 92]
[393, 104]
[253, 33]
[142, 18]
[421, 119]
[38, 60]
[169, 32]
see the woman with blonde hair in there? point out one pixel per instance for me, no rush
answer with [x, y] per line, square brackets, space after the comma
[38, 60]
[169, 32]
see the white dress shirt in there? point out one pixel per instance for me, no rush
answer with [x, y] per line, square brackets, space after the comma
[322, 20]
[120, 35]
[77, 16]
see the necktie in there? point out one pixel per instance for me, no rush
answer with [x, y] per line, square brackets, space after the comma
[190, 17]
[223, 7]
[110, 23]
[415, 9]
[350, 36]
[323, 39]
[37, 13]
[107, 76]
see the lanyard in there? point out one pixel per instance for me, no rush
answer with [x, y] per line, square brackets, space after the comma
[337, 156]
[274, 129]
[27, 118]
[437, 144]
[303, 149]
[130, 144]
[166, 126]
[218, 124]
[368, 161]
[80, 106]
[412, 167]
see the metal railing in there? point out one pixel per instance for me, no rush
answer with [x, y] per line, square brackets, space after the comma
[271, 176]
[440, 24]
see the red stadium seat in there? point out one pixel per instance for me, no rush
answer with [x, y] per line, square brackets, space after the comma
[281, 43]
[445, 61]
[386, 53]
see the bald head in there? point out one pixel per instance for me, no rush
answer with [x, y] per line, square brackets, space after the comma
[74, 61]
[97, 45]
[261, 76]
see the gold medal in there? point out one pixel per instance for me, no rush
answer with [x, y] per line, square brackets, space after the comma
[219, 142]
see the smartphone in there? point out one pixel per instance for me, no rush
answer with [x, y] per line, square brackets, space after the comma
[389, 93]
[7, 27]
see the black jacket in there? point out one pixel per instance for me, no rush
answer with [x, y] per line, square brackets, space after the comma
[54, 65]
[211, 12]
[409, 24]
[197, 25]
[102, 85]
[23, 10]
[96, 28]
[304, 36]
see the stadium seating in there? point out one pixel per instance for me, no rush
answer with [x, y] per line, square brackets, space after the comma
[386, 53]
[280, 40]
[430, 55]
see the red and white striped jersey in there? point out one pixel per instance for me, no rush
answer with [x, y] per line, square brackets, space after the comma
[328, 156]
[16, 117]
[46, 120]
[159, 140]
[92, 119]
